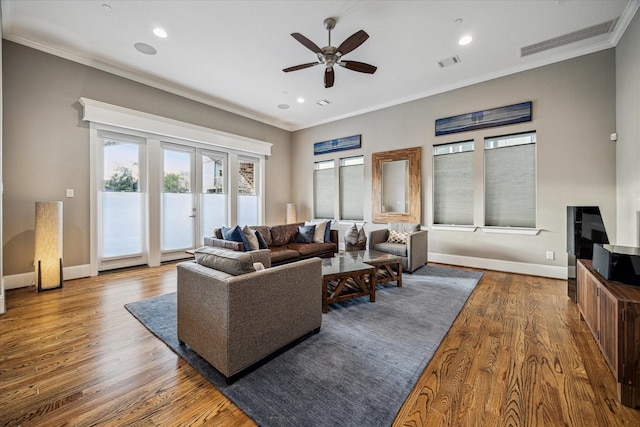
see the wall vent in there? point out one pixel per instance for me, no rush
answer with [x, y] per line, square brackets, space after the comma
[585, 33]
[449, 61]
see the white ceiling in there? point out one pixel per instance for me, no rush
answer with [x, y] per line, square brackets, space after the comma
[230, 54]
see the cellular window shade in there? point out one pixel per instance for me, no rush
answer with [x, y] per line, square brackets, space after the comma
[510, 186]
[324, 191]
[453, 189]
[352, 192]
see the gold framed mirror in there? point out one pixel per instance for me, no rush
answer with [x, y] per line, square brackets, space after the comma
[396, 179]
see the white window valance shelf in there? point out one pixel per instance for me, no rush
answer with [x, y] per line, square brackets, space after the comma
[113, 115]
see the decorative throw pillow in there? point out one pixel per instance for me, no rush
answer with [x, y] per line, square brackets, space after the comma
[261, 243]
[235, 234]
[351, 235]
[362, 237]
[321, 227]
[397, 237]
[305, 233]
[251, 238]
[327, 232]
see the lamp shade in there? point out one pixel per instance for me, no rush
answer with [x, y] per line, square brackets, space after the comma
[48, 245]
[291, 213]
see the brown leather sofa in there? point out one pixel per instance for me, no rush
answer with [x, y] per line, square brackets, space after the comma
[281, 241]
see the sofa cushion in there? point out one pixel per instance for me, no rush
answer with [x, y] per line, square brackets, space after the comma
[230, 262]
[305, 233]
[282, 254]
[235, 234]
[308, 250]
[284, 234]
[391, 248]
[251, 238]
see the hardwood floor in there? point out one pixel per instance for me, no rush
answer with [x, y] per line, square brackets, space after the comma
[517, 355]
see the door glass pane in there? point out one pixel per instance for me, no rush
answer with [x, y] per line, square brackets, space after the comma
[247, 193]
[214, 194]
[122, 232]
[177, 201]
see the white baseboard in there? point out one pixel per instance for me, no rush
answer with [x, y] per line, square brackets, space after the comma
[554, 272]
[24, 280]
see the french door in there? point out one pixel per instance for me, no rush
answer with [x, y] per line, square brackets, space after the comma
[122, 227]
[158, 198]
[179, 210]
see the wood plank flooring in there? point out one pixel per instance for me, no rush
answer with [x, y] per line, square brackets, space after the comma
[517, 355]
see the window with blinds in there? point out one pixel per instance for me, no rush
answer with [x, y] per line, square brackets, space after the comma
[323, 189]
[453, 183]
[352, 188]
[510, 180]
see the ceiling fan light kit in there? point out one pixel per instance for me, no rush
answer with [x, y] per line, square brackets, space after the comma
[331, 56]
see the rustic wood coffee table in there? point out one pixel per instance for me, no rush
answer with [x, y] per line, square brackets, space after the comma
[344, 278]
[389, 267]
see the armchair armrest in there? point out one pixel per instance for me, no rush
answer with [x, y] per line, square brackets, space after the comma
[377, 236]
[417, 249]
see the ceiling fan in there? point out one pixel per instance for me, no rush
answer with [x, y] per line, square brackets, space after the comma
[330, 55]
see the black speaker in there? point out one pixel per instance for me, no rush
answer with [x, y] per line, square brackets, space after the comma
[584, 228]
[617, 263]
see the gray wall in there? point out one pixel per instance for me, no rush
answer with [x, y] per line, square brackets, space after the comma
[46, 145]
[573, 114]
[628, 128]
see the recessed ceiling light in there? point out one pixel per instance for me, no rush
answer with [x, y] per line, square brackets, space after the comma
[464, 40]
[106, 7]
[458, 21]
[300, 100]
[160, 32]
[145, 48]
[283, 106]
[323, 102]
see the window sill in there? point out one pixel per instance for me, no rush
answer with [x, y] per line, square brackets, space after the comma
[452, 227]
[512, 230]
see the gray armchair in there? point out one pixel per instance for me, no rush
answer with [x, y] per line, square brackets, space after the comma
[413, 252]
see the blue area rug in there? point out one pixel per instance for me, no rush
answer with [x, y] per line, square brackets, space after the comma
[357, 371]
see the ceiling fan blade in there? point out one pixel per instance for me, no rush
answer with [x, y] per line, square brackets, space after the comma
[328, 77]
[360, 67]
[307, 43]
[352, 42]
[300, 67]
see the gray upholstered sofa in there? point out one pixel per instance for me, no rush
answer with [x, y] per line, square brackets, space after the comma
[413, 249]
[234, 316]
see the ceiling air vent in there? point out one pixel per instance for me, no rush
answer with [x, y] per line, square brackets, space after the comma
[449, 61]
[585, 33]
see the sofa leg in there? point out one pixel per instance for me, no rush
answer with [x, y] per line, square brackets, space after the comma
[316, 330]
[180, 343]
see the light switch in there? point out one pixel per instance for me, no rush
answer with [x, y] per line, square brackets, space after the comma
[69, 192]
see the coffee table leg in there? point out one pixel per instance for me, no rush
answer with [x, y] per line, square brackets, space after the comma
[400, 274]
[372, 283]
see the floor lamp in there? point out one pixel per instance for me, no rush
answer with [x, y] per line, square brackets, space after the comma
[291, 213]
[48, 254]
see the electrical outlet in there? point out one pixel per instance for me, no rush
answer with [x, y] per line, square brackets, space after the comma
[69, 192]
[550, 255]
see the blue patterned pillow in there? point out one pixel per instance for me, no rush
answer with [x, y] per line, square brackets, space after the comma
[305, 233]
